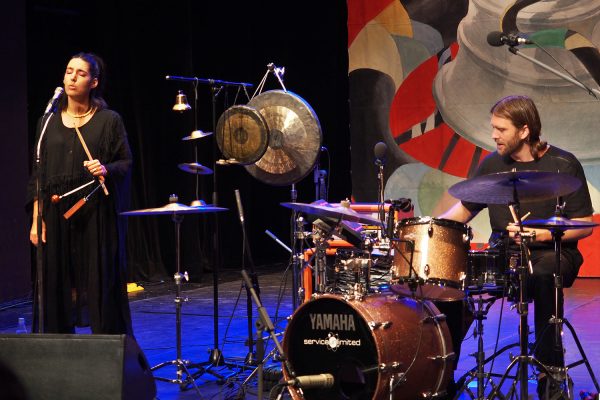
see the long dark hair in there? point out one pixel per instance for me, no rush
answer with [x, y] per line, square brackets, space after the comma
[521, 111]
[97, 70]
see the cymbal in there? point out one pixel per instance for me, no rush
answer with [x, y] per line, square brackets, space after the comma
[242, 134]
[195, 168]
[325, 210]
[499, 188]
[197, 135]
[294, 138]
[558, 223]
[174, 208]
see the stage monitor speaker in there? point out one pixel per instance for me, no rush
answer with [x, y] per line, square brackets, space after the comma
[53, 366]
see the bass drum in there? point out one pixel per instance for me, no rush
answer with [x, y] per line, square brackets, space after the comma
[369, 346]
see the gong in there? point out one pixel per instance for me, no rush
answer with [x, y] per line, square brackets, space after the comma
[242, 134]
[294, 138]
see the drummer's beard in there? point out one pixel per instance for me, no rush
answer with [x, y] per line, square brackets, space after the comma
[510, 146]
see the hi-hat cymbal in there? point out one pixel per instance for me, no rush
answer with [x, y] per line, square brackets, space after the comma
[175, 208]
[195, 168]
[197, 135]
[242, 134]
[558, 223]
[499, 188]
[328, 211]
[294, 138]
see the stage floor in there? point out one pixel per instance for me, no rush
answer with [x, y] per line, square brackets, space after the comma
[153, 312]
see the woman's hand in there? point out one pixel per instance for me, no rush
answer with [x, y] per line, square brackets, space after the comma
[33, 236]
[95, 168]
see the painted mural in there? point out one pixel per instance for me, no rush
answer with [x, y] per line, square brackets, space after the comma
[423, 78]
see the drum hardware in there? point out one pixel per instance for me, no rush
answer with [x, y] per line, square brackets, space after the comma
[511, 188]
[557, 225]
[184, 378]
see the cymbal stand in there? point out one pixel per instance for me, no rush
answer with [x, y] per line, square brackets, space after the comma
[557, 320]
[524, 358]
[184, 377]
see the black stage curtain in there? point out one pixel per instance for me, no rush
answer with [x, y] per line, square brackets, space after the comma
[144, 41]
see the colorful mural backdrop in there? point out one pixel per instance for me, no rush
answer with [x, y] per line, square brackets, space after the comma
[423, 78]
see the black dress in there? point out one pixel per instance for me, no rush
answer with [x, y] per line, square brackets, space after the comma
[85, 280]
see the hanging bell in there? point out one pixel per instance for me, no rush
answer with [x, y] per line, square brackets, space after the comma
[181, 103]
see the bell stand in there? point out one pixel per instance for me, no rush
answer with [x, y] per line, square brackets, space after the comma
[216, 85]
[557, 320]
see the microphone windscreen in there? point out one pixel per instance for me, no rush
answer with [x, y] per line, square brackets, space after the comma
[495, 38]
[380, 150]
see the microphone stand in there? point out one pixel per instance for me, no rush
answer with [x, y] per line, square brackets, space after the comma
[39, 281]
[265, 324]
[216, 85]
[594, 92]
[251, 357]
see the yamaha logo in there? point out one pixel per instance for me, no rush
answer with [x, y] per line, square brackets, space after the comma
[332, 322]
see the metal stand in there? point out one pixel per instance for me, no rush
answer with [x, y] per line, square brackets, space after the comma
[184, 377]
[557, 321]
[524, 359]
[478, 373]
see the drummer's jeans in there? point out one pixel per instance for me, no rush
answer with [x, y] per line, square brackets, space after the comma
[541, 290]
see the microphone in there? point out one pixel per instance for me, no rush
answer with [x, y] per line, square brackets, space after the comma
[52, 103]
[380, 150]
[321, 381]
[403, 204]
[238, 200]
[497, 39]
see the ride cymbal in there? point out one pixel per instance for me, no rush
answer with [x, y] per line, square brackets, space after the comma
[558, 223]
[325, 210]
[294, 138]
[174, 208]
[501, 187]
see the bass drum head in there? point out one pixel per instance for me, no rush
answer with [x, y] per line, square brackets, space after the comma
[352, 340]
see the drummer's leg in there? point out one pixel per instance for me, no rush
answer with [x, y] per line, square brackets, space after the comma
[458, 318]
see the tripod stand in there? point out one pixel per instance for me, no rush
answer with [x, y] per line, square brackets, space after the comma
[184, 377]
[557, 226]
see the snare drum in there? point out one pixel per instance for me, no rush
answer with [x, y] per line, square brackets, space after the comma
[432, 251]
[368, 345]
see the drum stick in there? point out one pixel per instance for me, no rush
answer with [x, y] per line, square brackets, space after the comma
[90, 158]
[514, 214]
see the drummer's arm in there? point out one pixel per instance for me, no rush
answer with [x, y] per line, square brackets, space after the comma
[458, 212]
[544, 235]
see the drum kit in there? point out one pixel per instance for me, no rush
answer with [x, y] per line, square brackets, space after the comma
[380, 341]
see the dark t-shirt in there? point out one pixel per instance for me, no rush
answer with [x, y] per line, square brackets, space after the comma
[578, 203]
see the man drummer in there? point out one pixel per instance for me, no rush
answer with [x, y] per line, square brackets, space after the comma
[516, 129]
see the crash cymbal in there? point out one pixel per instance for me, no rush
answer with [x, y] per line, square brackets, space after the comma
[195, 168]
[197, 135]
[242, 134]
[325, 210]
[558, 223]
[174, 208]
[294, 138]
[499, 188]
